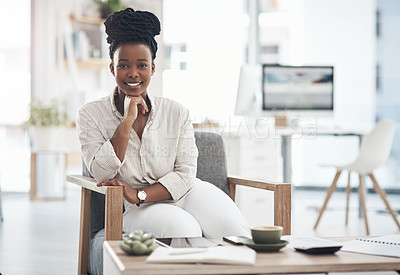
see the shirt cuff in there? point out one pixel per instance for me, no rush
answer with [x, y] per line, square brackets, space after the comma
[174, 184]
[107, 159]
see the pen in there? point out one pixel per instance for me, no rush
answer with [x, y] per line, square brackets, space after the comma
[162, 244]
[184, 251]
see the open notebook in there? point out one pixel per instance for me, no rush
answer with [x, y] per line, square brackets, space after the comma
[388, 245]
[211, 255]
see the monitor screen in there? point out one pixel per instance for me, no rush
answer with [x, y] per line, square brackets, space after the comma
[297, 87]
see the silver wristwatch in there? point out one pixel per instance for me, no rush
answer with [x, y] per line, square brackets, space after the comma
[141, 196]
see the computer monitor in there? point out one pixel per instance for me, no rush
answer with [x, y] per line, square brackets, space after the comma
[305, 89]
[248, 98]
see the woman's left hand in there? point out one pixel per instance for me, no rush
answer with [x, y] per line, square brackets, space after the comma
[130, 194]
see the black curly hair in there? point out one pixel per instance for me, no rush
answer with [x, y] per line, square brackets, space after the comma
[129, 25]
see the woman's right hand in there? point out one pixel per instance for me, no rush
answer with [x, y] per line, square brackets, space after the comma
[131, 106]
[130, 194]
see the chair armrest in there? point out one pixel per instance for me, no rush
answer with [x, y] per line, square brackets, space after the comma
[270, 186]
[86, 182]
[112, 220]
[282, 198]
[113, 214]
[113, 206]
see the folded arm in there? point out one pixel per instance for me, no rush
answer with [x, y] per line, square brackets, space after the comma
[180, 179]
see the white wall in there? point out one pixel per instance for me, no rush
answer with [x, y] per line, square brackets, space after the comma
[213, 33]
[342, 33]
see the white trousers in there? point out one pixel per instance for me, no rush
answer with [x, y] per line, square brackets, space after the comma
[205, 210]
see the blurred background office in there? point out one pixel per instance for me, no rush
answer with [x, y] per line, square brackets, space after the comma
[55, 51]
[53, 59]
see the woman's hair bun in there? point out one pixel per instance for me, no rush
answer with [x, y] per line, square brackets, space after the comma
[130, 25]
[154, 27]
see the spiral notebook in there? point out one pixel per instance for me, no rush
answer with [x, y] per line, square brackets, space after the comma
[388, 245]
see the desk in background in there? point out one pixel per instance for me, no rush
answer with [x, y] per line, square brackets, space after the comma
[48, 169]
[287, 134]
[256, 140]
[264, 153]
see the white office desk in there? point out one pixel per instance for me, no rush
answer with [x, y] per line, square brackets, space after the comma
[285, 135]
[264, 153]
[288, 134]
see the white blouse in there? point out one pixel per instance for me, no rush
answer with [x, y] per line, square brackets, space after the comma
[167, 152]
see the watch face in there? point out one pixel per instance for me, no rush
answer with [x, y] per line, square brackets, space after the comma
[142, 195]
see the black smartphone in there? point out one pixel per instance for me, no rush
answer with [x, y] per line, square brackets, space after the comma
[236, 240]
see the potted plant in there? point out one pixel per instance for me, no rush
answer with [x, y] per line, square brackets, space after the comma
[45, 125]
[107, 7]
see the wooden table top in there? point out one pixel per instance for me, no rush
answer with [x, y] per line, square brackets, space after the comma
[285, 261]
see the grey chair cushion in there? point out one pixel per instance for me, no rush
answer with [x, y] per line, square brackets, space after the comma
[211, 163]
[211, 167]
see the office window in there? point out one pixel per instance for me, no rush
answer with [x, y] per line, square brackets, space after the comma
[14, 61]
[176, 57]
[14, 94]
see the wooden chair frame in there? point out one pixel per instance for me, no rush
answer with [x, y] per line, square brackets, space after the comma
[114, 209]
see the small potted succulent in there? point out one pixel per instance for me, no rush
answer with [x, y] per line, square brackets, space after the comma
[138, 243]
[45, 125]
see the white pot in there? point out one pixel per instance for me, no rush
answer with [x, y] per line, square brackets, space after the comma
[47, 138]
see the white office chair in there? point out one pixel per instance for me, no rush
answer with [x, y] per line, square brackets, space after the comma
[374, 151]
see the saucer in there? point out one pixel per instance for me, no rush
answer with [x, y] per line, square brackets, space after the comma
[264, 247]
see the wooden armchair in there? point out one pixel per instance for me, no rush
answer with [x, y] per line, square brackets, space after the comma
[102, 207]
